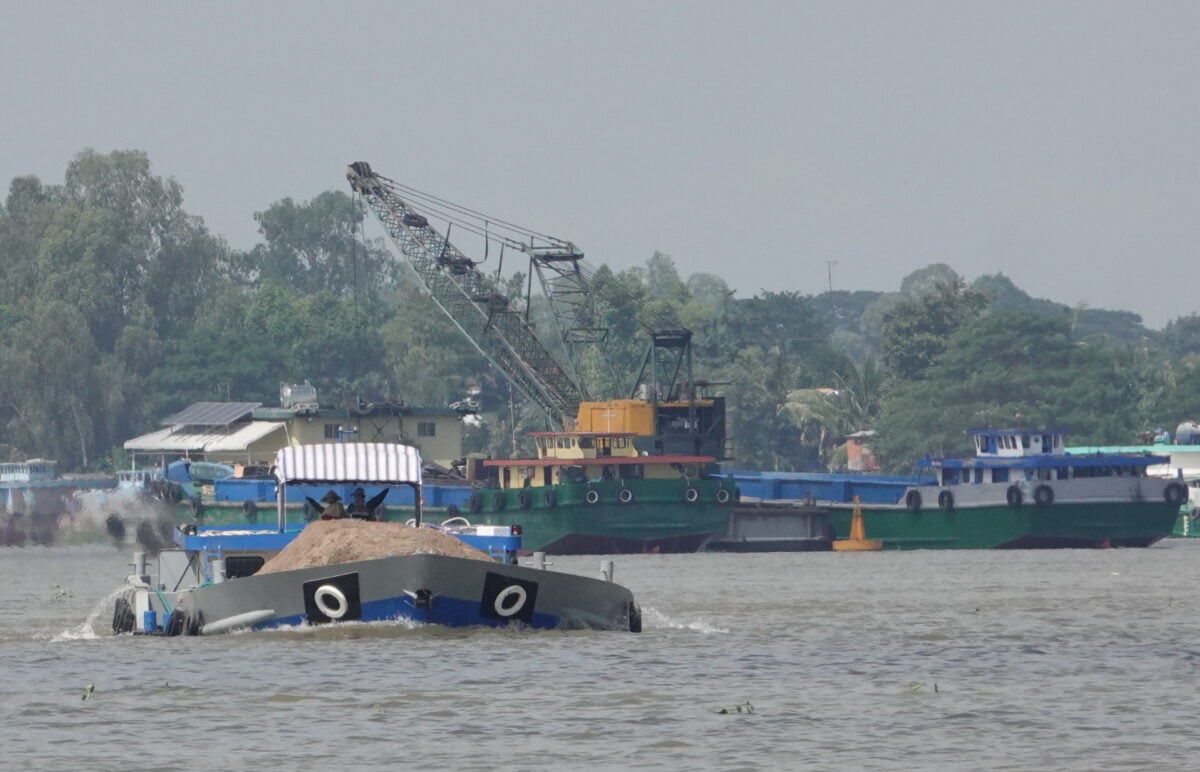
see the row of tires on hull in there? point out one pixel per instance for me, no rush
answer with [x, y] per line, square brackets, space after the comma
[498, 501]
[1043, 496]
[178, 623]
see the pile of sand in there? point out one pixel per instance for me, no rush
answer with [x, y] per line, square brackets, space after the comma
[325, 542]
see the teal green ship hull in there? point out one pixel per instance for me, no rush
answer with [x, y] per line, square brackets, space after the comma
[558, 519]
[1107, 524]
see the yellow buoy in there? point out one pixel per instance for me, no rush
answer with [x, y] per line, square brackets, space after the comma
[858, 541]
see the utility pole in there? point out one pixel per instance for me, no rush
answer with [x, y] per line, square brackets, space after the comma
[829, 264]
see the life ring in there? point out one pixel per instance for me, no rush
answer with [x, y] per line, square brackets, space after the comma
[550, 498]
[474, 504]
[592, 496]
[625, 496]
[506, 609]
[498, 501]
[525, 499]
[329, 591]
[722, 496]
[1175, 494]
[946, 500]
[1043, 495]
[1014, 496]
[691, 495]
[912, 500]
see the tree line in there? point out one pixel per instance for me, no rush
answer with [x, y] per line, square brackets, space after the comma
[119, 307]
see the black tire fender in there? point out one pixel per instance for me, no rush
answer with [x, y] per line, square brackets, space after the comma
[1043, 495]
[912, 500]
[946, 500]
[1014, 496]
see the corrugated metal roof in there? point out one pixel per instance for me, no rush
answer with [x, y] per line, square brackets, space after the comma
[243, 437]
[366, 462]
[174, 441]
[211, 414]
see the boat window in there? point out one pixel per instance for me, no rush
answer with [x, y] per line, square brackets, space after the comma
[1000, 474]
[620, 442]
[242, 565]
[586, 443]
[1025, 441]
[979, 475]
[1044, 474]
[630, 471]
[1063, 473]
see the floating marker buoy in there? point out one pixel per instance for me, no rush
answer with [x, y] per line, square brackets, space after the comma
[858, 541]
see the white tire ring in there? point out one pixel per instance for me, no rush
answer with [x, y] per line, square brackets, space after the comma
[505, 610]
[342, 604]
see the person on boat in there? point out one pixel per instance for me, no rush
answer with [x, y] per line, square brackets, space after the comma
[364, 508]
[358, 505]
[333, 509]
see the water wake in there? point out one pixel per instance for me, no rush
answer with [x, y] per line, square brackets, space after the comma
[653, 618]
[86, 630]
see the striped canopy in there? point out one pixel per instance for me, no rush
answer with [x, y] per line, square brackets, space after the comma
[351, 462]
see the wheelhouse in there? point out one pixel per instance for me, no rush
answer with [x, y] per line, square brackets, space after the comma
[582, 457]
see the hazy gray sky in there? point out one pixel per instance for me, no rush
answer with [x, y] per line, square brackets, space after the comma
[1055, 142]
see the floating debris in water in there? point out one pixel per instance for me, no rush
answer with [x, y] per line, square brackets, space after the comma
[87, 692]
[916, 686]
[60, 592]
[745, 707]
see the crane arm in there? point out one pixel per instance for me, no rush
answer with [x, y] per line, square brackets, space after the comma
[472, 301]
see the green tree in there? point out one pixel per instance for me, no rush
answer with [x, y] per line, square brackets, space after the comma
[916, 331]
[316, 246]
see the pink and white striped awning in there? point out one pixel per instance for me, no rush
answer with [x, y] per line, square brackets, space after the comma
[351, 462]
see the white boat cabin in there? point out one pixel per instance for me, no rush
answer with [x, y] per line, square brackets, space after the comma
[1016, 443]
[33, 470]
[1013, 455]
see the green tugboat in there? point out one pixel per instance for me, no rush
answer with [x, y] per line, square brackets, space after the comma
[1020, 490]
[593, 493]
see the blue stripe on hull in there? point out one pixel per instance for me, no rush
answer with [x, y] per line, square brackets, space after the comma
[450, 612]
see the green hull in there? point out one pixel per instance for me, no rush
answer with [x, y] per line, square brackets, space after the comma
[1133, 524]
[657, 519]
[558, 519]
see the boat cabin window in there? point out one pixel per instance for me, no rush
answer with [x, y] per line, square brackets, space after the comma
[1000, 474]
[559, 442]
[979, 475]
[1044, 474]
[949, 477]
[586, 443]
[630, 471]
[1025, 441]
[237, 566]
[1063, 473]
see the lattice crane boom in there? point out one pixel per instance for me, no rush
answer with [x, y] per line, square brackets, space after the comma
[473, 302]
